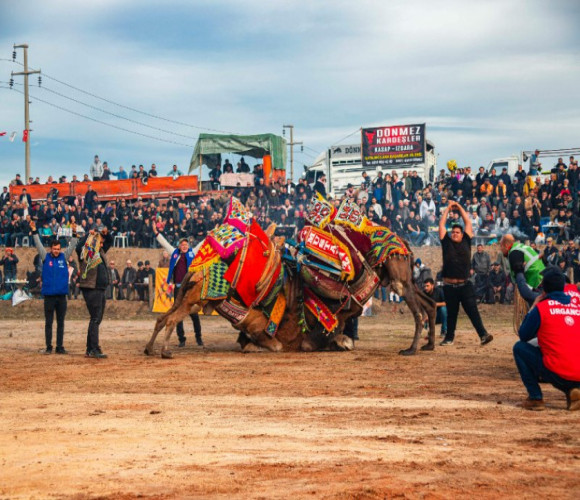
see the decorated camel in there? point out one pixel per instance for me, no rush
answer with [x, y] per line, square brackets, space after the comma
[298, 298]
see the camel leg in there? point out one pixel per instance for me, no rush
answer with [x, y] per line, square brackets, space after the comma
[159, 324]
[431, 309]
[412, 301]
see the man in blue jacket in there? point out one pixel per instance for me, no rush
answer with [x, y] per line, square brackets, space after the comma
[55, 285]
[181, 258]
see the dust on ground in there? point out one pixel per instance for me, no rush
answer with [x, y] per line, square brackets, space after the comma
[217, 423]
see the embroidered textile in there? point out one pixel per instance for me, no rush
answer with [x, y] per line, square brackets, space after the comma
[238, 215]
[385, 243]
[328, 249]
[91, 252]
[320, 311]
[319, 212]
[225, 240]
[214, 285]
[205, 257]
[349, 214]
[232, 310]
[276, 314]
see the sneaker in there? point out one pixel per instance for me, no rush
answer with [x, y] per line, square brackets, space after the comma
[534, 404]
[486, 339]
[48, 350]
[61, 350]
[446, 342]
[181, 343]
[97, 354]
[573, 399]
[443, 334]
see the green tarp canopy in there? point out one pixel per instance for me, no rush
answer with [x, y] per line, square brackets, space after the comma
[209, 148]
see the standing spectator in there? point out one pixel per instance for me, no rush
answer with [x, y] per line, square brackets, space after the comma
[319, 185]
[4, 197]
[91, 198]
[55, 288]
[456, 267]
[153, 170]
[94, 278]
[106, 172]
[10, 263]
[127, 282]
[535, 165]
[181, 258]
[96, 170]
[436, 293]
[140, 285]
[142, 173]
[113, 290]
[150, 277]
[121, 174]
[481, 265]
[175, 172]
[73, 276]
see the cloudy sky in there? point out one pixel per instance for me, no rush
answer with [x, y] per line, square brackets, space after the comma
[489, 78]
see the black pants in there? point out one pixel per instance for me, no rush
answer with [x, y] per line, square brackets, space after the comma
[95, 300]
[351, 327]
[464, 295]
[196, 328]
[54, 303]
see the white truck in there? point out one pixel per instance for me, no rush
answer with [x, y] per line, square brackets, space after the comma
[342, 165]
[547, 158]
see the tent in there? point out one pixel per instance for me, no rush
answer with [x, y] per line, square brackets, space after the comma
[209, 148]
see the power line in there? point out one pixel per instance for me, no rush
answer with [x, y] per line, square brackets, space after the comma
[349, 135]
[104, 123]
[124, 106]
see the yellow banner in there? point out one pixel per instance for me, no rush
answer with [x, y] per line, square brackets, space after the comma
[163, 292]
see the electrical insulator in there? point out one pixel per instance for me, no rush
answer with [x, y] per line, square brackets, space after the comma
[40, 81]
[302, 149]
[284, 132]
[11, 82]
[14, 55]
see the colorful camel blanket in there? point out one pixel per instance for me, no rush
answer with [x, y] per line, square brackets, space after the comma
[91, 252]
[226, 240]
[385, 243]
[319, 212]
[320, 311]
[350, 215]
[214, 285]
[238, 215]
[328, 249]
[249, 264]
[204, 257]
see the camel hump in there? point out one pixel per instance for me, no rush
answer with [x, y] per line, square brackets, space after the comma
[271, 230]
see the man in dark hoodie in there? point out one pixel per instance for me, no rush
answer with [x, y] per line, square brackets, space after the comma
[555, 321]
[94, 278]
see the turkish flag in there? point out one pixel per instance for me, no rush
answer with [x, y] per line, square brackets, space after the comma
[25, 136]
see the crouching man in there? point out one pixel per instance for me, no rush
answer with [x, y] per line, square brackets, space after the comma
[555, 321]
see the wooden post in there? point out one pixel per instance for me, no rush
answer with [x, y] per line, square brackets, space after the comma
[199, 180]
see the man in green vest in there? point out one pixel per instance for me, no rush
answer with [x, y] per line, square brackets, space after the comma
[525, 266]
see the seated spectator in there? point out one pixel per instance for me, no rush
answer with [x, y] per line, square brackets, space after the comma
[497, 284]
[113, 290]
[73, 275]
[127, 282]
[416, 230]
[140, 284]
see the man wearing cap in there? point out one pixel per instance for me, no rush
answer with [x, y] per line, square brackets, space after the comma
[497, 284]
[55, 287]
[180, 260]
[555, 321]
[525, 266]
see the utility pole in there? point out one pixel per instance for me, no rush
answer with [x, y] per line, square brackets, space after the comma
[291, 144]
[26, 72]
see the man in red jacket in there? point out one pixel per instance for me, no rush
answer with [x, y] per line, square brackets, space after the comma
[555, 321]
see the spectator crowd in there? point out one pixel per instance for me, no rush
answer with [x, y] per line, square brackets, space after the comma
[541, 209]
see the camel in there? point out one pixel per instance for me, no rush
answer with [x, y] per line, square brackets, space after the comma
[397, 272]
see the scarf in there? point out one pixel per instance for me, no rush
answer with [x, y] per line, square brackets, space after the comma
[91, 253]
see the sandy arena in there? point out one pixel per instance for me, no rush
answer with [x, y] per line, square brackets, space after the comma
[217, 423]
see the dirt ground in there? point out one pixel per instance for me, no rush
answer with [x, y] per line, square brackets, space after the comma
[220, 424]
